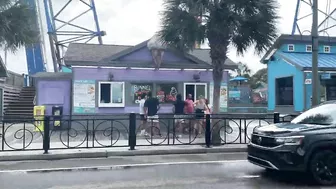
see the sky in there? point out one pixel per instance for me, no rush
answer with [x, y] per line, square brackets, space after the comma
[129, 22]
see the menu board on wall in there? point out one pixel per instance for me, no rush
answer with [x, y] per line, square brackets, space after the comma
[223, 98]
[84, 96]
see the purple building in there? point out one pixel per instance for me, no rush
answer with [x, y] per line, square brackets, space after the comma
[110, 78]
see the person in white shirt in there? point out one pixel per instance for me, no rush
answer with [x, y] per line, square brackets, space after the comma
[143, 118]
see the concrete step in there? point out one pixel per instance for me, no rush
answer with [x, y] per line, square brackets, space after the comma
[8, 109]
[20, 108]
[22, 103]
[24, 100]
[26, 97]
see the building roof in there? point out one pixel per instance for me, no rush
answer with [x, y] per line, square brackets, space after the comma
[3, 69]
[204, 54]
[91, 52]
[296, 39]
[104, 55]
[56, 75]
[326, 62]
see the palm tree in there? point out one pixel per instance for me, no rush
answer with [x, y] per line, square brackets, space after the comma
[240, 23]
[243, 70]
[17, 23]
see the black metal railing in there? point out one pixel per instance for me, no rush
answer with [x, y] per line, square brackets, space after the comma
[130, 131]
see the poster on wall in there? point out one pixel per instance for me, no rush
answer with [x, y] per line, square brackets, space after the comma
[138, 90]
[223, 99]
[84, 96]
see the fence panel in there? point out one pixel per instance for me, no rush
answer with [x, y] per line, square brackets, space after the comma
[130, 130]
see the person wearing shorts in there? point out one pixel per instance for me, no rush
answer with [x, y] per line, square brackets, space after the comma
[152, 106]
[143, 118]
[179, 111]
[200, 108]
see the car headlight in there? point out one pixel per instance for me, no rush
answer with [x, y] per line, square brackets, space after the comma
[292, 140]
[255, 129]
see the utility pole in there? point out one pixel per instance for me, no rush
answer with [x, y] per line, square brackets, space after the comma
[315, 44]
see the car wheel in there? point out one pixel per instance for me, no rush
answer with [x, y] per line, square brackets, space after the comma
[323, 167]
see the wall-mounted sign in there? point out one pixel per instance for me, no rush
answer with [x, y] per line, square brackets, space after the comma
[308, 81]
[139, 89]
[326, 76]
[84, 96]
[223, 99]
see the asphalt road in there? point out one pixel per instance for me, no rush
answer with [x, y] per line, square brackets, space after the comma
[204, 171]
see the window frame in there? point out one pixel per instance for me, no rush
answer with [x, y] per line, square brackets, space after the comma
[324, 49]
[111, 105]
[291, 45]
[311, 48]
[195, 84]
[157, 85]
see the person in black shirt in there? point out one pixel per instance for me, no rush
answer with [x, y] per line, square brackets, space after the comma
[179, 105]
[152, 106]
[179, 111]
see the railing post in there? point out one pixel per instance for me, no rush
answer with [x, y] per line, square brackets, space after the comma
[276, 118]
[132, 131]
[46, 135]
[207, 131]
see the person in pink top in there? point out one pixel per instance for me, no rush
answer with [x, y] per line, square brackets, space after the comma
[189, 104]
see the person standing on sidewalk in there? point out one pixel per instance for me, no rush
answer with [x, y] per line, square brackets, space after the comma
[189, 104]
[152, 106]
[143, 117]
[179, 112]
[189, 109]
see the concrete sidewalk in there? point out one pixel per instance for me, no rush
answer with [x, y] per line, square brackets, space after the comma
[117, 151]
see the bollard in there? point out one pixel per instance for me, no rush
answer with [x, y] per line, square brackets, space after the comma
[46, 135]
[207, 131]
[132, 131]
[276, 118]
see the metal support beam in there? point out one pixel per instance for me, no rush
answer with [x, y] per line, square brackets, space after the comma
[63, 31]
[296, 17]
[300, 21]
[315, 79]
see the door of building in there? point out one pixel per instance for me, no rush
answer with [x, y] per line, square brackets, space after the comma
[196, 90]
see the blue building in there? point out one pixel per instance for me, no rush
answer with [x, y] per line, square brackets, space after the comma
[289, 63]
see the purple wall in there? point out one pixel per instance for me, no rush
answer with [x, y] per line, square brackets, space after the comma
[101, 74]
[138, 75]
[144, 55]
[51, 93]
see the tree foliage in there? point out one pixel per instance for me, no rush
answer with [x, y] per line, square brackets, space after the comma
[258, 79]
[255, 80]
[243, 70]
[17, 23]
[243, 23]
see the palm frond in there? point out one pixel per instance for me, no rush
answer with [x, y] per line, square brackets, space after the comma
[17, 26]
[255, 24]
[180, 24]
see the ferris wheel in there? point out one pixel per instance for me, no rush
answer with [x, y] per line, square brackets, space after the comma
[63, 21]
[303, 17]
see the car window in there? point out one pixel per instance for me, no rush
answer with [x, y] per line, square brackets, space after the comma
[321, 115]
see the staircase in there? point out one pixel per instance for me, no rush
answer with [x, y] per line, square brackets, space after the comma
[22, 107]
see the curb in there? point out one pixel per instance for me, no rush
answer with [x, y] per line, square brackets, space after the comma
[53, 156]
[106, 154]
[115, 167]
[176, 151]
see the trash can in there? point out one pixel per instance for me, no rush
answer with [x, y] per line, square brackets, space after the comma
[57, 112]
